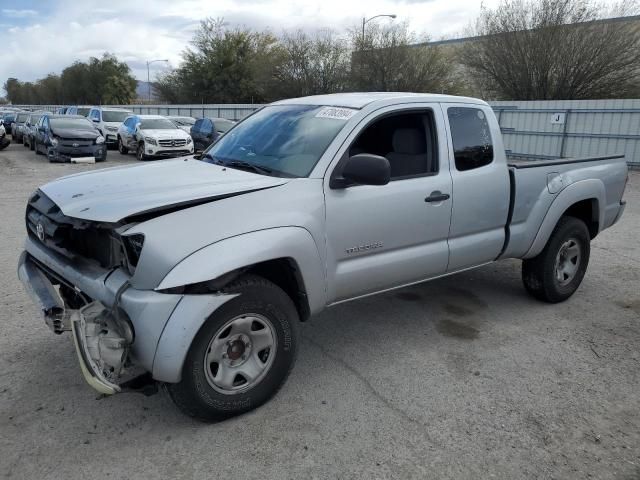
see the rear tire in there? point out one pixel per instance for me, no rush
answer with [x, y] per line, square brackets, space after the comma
[556, 273]
[31, 147]
[213, 387]
[121, 148]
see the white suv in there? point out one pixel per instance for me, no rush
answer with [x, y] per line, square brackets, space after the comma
[153, 136]
[107, 121]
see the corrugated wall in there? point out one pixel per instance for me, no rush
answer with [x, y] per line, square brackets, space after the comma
[544, 129]
[571, 128]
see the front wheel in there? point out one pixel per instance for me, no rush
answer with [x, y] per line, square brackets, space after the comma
[242, 355]
[121, 148]
[556, 273]
[140, 155]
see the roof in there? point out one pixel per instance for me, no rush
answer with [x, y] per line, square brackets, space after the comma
[149, 117]
[362, 99]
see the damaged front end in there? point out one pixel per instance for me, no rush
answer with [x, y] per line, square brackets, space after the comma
[102, 341]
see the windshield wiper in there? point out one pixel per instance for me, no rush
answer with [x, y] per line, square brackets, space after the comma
[239, 164]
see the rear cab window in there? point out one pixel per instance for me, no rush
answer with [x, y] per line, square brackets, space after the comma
[471, 138]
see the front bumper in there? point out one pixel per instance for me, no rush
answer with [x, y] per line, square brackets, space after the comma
[62, 153]
[163, 325]
[162, 151]
[111, 138]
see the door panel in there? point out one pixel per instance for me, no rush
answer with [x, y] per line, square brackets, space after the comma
[380, 237]
[480, 193]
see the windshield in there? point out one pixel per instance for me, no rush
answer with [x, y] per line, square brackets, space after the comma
[22, 117]
[157, 124]
[183, 121]
[114, 116]
[83, 111]
[285, 139]
[9, 117]
[223, 125]
[80, 123]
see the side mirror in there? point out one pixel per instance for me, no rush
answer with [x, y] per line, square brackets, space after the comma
[363, 169]
[95, 120]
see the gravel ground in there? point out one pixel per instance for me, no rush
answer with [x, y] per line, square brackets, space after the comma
[465, 377]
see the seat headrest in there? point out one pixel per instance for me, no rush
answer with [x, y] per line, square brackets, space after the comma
[409, 141]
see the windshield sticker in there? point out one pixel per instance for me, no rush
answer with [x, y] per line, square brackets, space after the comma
[336, 113]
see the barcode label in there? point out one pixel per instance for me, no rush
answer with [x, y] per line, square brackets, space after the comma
[336, 113]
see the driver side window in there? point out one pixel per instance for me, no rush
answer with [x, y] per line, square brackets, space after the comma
[407, 140]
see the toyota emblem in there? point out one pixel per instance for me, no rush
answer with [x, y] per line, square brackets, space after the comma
[75, 145]
[40, 231]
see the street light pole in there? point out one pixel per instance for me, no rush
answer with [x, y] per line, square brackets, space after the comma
[149, 62]
[367, 20]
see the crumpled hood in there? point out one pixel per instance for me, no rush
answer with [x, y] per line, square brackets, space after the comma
[113, 194]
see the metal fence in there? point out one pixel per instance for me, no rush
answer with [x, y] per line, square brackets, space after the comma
[571, 128]
[538, 129]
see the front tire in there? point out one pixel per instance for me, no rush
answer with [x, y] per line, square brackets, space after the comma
[242, 355]
[31, 146]
[121, 148]
[140, 155]
[557, 272]
[35, 147]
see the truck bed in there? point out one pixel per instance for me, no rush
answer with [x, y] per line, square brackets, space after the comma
[535, 185]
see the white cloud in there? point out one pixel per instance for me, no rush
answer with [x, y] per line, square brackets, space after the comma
[11, 13]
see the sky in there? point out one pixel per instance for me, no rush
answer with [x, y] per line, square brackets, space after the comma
[44, 36]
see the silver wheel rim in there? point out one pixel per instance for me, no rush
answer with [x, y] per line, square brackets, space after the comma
[567, 261]
[240, 354]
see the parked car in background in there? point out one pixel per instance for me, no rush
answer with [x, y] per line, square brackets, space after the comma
[65, 137]
[207, 130]
[107, 121]
[185, 123]
[152, 136]
[78, 110]
[8, 118]
[29, 128]
[17, 128]
[62, 110]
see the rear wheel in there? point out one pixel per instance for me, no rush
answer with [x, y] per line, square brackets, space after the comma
[556, 273]
[31, 142]
[121, 148]
[242, 355]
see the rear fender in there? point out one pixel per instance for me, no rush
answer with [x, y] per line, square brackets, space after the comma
[591, 189]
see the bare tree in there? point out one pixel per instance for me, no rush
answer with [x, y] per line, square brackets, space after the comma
[313, 64]
[386, 58]
[555, 49]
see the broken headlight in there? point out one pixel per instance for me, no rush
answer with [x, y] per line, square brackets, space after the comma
[133, 247]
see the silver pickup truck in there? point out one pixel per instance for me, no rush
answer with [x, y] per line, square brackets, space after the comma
[195, 272]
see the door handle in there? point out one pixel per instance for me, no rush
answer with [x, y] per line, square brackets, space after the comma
[437, 197]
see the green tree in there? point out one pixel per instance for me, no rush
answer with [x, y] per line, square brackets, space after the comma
[99, 81]
[223, 66]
